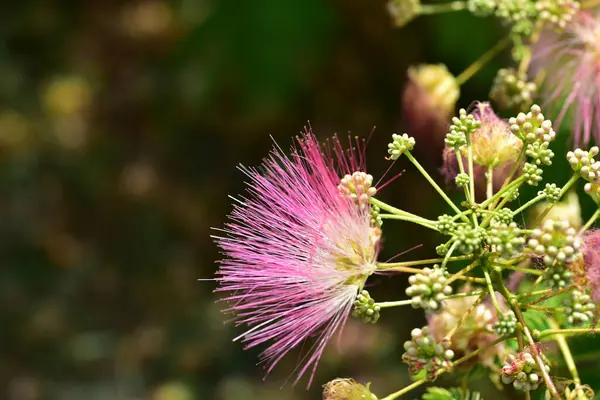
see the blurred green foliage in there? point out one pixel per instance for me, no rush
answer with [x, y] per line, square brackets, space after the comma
[121, 123]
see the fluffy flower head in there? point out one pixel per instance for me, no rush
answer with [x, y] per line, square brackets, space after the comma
[493, 143]
[494, 146]
[573, 63]
[475, 332]
[591, 261]
[297, 251]
[428, 103]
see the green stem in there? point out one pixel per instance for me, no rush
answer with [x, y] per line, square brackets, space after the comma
[482, 61]
[529, 203]
[420, 221]
[517, 182]
[432, 182]
[571, 331]
[526, 60]
[515, 167]
[490, 286]
[401, 268]
[566, 352]
[384, 266]
[461, 168]
[501, 192]
[459, 295]
[519, 331]
[467, 357]
[544, 291]
[479, 350]
[536, 356]
[447, 257]
[553, 293]
[542, 308]
[463, 271]
[405, 390]
[508, 185]
[564, 190]
[470, 166]
[428, 9]
[395, 211]
[590, 221]
[462, 214]
[465, 315]
[388, 304]
[524, 64]
[515, 268]
[490, 182]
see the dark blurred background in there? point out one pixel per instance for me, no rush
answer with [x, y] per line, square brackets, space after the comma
[121, 125]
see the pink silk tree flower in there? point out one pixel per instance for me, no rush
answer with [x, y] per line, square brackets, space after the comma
[494, 146]
[591, 261]
[298, 249]
[571, 61]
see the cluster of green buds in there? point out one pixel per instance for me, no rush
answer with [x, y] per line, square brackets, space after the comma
[536, 133]
[522, 370]
[399, 145]
[511, 195]
[584, 164]
[518, 14]
[579, 308]
[532, 174]
[376, 219]
[357, 187]
[523, 15]
[506, 324]
[512, 90]
[539, 153]
[551, 193]
[461, 126]
[556, 241]
[428, 288]
[532, 127]
[468, 238]
[446, 224]
[558, 276]
[559, 245]
[503, 216]
[462, 180]
[365, 308]
[422, 352]
[441, 249]
[558, 13]
[508, 239]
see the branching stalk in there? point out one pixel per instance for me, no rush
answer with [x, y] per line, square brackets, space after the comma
[482, 61]
[433, 183]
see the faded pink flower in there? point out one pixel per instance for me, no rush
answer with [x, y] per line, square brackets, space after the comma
[428, 103]
[493, 145]
[297, 251]
[591, 260]
[475, 332]
[572, 64]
